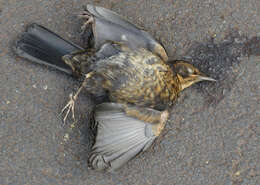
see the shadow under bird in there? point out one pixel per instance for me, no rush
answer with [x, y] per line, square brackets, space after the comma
[127, 73]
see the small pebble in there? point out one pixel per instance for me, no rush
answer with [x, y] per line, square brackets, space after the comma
[66, 137]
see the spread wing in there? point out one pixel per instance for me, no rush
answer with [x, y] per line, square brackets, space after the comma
[119, 137]
[110, 26]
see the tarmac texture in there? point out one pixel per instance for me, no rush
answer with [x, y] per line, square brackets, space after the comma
[213, 135]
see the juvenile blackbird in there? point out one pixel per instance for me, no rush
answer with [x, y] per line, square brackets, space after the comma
[127, 73]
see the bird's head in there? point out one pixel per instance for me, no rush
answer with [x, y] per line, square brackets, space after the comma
[188, 74]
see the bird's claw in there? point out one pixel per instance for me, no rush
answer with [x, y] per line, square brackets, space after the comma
[84, 14]
[89, 20]
[70, 106]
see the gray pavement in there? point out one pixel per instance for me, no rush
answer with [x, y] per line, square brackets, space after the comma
[213, 136]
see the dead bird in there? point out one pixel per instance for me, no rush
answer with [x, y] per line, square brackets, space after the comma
[127, 73]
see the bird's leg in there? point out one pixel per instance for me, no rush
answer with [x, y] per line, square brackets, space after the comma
[85, 15]
[78, 60]
[70, 106]
[158, 119]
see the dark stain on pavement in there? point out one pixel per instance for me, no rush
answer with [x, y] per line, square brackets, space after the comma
[221, 62]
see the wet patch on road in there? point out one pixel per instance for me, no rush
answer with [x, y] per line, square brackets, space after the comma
[221, 62]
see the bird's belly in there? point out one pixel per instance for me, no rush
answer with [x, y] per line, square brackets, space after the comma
[149, 95]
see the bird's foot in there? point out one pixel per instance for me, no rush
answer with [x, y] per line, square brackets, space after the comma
[70, 107]
[89, 20]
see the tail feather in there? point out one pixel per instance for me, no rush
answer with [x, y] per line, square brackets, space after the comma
[40, 45]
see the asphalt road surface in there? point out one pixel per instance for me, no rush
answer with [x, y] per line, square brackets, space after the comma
[213, 135]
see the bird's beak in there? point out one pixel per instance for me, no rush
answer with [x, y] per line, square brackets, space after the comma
[205, 78]
[186, 82]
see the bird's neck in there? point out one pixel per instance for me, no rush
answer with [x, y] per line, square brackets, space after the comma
[173, 86]
[177, 82]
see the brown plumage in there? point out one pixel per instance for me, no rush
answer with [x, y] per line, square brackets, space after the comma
[127, 73]
[137, 77]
